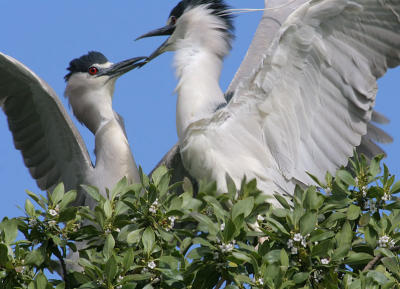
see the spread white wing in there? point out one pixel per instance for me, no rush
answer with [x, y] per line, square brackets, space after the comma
[50, 144]
[313, 93]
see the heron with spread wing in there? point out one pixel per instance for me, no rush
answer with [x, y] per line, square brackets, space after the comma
[51, 146]
[304, 106]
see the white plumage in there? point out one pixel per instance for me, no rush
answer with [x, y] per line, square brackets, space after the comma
[303, 108]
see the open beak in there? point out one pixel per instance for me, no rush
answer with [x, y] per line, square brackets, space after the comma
[166, 30]
[120, 68]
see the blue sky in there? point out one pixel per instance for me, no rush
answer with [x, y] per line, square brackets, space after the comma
[45, 35]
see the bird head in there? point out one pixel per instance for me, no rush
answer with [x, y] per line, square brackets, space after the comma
[90, 86]
[205, 23]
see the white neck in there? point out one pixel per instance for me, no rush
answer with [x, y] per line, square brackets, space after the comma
[92, 105]
[199, 93]
[200, 45]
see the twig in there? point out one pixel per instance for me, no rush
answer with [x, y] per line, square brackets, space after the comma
[371, 264]
[220, 283]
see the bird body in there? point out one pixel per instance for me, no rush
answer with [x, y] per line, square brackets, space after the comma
[52, 148]
[303, 108]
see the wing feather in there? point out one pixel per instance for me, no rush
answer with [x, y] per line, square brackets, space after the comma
[51, 146]
[316, 86]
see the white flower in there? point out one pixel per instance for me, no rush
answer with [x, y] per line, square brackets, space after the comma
[57, 208]
[259, 281]
[293, 251]
[117, 230]
[107, 231]
[328, 190]
[260, 218]
[290, 243]
[317, 276]
[222, 226]
[386, 197]
[151, 265]
[52, 223]
[227, 247]
[120, 278]
[304, 243]
[392, 243]
[156, 280]
[144, 270]
[364, 191]
[153, 207]
[386, 242]
[53, 212]
[32, 222]
[215, 256]
[325, 261]
[297, 237]
[372, 207]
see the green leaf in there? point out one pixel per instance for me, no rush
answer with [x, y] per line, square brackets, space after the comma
[29, 208]
[308, 223]
[108, 246]
[4, 258]
[10, 229]
[284, 258]
[134, 236]
[206, 223]
[273, 256]
[371, 236]
[300, 277]
[312, 200]
[345, 236]
[392, 264]
[358, 258]
[148, 240]
[364, 220]
[229, 231]
[41, 281]
[321, 235]
[346, 177]
[111, 269]
[68, 214]
[107, 209]
[395, 188]
[280, 213]
[128, 259]
[378, 277]
[35, 257]
[57, 194]
[158, 174]
[243, 207]
[93, 192]
[68, 198]
[353, 212]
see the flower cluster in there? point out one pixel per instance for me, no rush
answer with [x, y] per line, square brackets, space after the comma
[386, 197]
[386, 242]
[154, 206]
[259, 281]
[298, 238]
[170, 224]
[225, 248]
[54, 212]
[325, 261]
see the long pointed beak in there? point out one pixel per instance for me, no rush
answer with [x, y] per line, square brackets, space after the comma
[166, 30]
[120, 68]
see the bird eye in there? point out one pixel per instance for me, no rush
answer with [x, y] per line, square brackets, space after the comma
[93, 70]
[172, 20]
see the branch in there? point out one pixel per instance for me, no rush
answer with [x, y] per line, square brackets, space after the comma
[371, 264]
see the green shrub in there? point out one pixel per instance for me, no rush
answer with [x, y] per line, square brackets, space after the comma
[344, 235]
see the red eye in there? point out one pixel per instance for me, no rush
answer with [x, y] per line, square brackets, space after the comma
[93, 70]
[172, 20]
